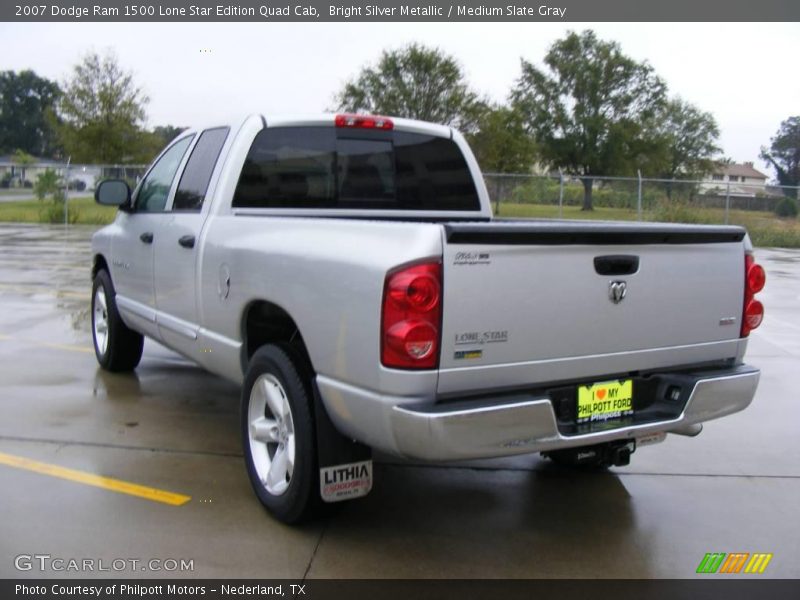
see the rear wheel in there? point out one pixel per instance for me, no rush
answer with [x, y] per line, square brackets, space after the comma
[116, 346]
[278, 435]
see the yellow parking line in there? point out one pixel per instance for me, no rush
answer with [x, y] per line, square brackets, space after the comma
[68, 347]
[107, 483]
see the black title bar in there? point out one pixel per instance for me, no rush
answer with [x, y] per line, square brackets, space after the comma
[391, 589]
[310, 11]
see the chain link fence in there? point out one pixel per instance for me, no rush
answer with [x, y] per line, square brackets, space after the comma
[631, 198]
[746, 202]
[17, 178]
[64, 181]
[552, 195]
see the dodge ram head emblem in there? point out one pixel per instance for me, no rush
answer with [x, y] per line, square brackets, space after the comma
[617, 291]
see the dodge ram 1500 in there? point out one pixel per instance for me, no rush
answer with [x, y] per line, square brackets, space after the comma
[348, 272]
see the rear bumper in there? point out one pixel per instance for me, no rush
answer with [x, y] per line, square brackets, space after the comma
[483, 428]
[523, 423]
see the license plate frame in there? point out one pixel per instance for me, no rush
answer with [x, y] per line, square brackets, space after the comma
[604, 401]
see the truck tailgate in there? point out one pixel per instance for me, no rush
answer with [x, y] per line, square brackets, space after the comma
[534, 302]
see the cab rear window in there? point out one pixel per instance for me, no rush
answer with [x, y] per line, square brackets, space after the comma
[325, 167]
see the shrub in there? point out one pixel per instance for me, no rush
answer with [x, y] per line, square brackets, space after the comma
[786, 208]
[536, 190]
[680, 212]
[47, 183]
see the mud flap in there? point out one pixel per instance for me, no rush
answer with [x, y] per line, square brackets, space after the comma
[345, 466]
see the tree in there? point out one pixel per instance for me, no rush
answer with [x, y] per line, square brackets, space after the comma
[25, 99]
[501, 143]
[592, 113]
[415, 82]
[103, 112]
[166, 133]
[784, 154]
[689, 142]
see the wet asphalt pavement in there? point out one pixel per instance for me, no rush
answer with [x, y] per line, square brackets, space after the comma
[171, 426]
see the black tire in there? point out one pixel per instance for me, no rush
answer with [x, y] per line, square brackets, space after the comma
[122, 349]
[293, 497]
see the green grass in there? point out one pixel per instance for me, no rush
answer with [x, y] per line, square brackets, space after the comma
[83, 211]
[549, 211]
[765, 229]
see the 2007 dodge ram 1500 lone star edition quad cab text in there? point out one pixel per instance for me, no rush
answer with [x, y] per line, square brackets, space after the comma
[347, 271]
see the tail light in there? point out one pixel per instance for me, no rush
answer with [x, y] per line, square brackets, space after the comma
[412, 317]
[364, 122]
[754, 280]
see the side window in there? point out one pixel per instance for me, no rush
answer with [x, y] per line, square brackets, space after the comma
[194, 181]
[153, 193]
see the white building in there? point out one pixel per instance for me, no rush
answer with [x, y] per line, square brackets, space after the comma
[744, 180]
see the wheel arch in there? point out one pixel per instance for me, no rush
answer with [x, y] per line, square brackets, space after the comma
[99, 263]
[264, 322]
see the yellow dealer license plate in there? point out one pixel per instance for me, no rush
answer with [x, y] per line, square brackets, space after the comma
[604, 401]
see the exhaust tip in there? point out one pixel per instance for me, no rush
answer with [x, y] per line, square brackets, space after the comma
[688, 430]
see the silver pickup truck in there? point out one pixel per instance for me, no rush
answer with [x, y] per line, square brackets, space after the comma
[347, 271]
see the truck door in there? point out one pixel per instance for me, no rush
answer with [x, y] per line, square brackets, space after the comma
[177, 245]
[132, 252]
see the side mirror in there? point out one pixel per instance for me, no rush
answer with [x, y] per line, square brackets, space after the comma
[113, 192]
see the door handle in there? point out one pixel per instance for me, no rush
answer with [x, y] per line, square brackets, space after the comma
[187, 241]
[616, 265]
[147, 237]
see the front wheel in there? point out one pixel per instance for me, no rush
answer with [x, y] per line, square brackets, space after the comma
[278, 435]
[117, 347]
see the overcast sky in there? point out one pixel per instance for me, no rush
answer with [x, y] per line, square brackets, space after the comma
[744, 73]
